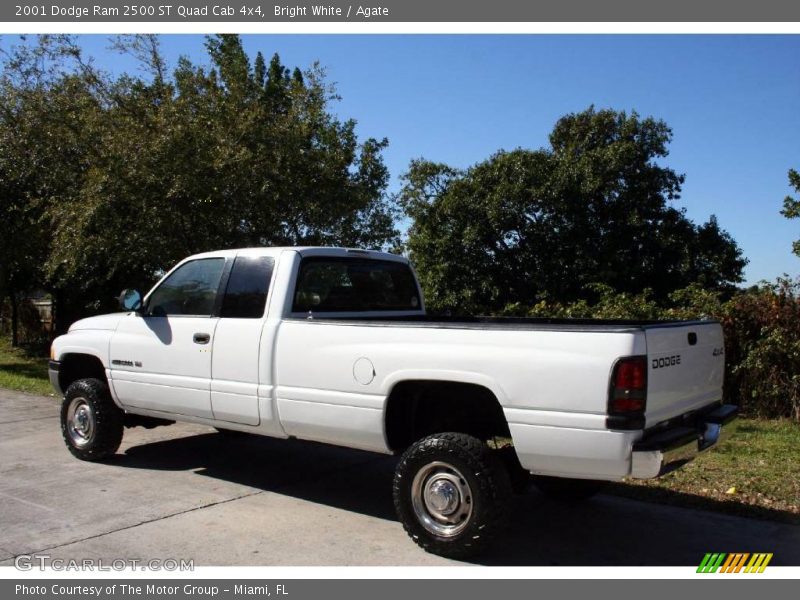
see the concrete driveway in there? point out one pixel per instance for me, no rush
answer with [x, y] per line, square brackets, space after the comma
[186, 492]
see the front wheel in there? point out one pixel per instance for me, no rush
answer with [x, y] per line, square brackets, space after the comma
[451, 493]
[91, 423]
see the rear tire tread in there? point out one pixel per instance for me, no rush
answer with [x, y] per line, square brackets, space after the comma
[491, 489]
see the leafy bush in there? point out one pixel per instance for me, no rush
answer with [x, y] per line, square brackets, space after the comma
[762, 335]
[762, 339]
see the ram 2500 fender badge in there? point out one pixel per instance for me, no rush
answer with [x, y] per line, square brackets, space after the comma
[126, 363]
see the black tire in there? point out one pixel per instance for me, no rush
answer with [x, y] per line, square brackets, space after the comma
[453, 465]
[568, 490]
[89, 401]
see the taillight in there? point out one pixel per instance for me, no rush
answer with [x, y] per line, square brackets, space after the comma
[627, 395]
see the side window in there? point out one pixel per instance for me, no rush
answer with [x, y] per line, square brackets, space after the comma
[190, 290]
[354, 285]
[246, 294]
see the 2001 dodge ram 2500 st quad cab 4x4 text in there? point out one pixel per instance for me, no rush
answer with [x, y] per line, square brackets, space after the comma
[334, 345]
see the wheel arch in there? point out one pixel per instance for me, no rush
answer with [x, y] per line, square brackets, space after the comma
[445, 375]
[79, 364]
[418, 407]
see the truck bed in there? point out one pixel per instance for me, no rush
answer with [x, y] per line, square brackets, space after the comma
[685, 359]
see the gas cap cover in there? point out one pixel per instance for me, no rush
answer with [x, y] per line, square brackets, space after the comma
[363, 371]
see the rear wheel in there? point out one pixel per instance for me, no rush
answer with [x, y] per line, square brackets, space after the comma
[568, 490]
[451, 493]
[91, 423]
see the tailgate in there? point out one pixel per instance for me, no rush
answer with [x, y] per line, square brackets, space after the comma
[685, 368]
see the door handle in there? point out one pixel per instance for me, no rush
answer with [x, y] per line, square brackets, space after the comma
[201, 338]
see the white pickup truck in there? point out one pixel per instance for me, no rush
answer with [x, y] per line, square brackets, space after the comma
[334, 345]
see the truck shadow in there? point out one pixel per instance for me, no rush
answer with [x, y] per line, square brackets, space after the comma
[607, 530]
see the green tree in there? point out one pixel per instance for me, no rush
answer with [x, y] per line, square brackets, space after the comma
[531, 225]
[22, 247]
[42, 158]
[158, 165]
[791, 206]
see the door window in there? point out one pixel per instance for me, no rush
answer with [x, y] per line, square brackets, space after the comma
[189, 290]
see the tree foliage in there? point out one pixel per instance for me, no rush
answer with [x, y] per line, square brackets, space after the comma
[791, 205]
[132, 173]
[528, 225]
[41, 161]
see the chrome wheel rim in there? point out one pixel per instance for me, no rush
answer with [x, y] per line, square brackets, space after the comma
[80, 422]
[442, 499]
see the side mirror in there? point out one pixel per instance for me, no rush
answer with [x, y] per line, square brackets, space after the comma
[130, 300]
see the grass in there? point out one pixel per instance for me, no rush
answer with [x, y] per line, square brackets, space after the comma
[21, 371]
[755, 472]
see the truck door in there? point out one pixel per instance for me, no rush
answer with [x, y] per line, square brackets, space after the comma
[161, 359]
[238, 350]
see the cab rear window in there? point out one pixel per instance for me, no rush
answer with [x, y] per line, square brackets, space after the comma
[354, 285]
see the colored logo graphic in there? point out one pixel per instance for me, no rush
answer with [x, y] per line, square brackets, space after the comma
[721, 562]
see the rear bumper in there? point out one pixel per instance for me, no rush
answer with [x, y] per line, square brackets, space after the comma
[665, 450]
[54, 371]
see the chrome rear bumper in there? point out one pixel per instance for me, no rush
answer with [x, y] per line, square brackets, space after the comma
[665, 450]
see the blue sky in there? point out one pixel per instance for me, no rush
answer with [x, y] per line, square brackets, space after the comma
[733, 103]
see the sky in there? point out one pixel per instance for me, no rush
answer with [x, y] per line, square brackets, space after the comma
[732, 103]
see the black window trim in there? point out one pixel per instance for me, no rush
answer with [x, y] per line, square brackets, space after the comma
[223, 285]
[226, 275]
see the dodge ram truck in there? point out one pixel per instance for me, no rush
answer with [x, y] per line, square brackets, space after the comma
[334, 345]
